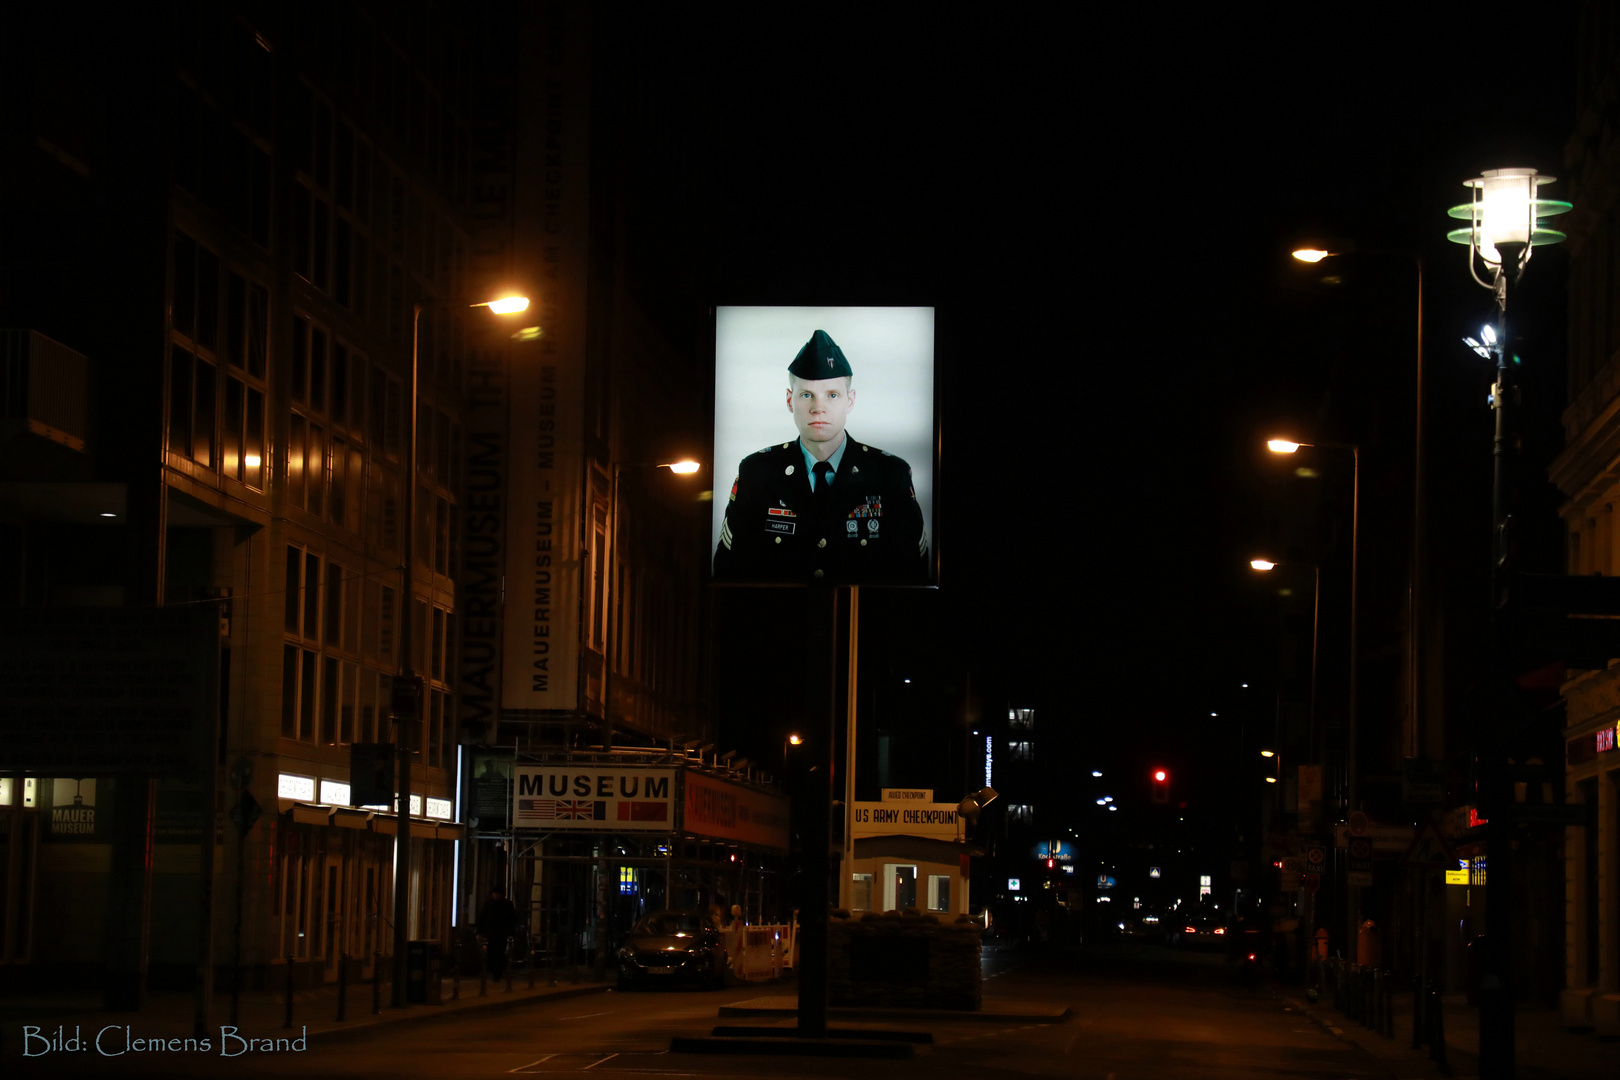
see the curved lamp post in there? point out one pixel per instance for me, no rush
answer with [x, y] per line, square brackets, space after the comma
[1288, 446]
[609, 650]
[410, 725]
[1417, 594]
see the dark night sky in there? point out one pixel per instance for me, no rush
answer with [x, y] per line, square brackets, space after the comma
[1100, 208]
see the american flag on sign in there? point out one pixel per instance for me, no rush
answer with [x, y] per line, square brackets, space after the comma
[560, 810]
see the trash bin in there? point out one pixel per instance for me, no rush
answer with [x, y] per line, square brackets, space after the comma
[422, 972]
[1369, 948]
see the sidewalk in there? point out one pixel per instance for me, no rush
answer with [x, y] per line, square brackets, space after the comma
[262, 1014]
[1545, 1050]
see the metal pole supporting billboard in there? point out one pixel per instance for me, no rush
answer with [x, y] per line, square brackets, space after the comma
[846, 869]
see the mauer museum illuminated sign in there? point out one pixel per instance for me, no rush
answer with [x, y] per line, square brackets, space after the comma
[588, 799]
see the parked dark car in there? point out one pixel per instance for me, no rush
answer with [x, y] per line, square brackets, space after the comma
[672, 947]
[1197, 931]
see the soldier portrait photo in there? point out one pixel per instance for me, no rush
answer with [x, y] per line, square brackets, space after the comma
[828, 500]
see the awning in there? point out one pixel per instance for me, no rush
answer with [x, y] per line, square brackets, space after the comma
[351, 819]
[424, 830]
[384, 825]
[304, 814]
[452, 832]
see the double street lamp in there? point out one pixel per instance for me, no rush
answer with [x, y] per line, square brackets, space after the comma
[409, 720]
[1506, 223]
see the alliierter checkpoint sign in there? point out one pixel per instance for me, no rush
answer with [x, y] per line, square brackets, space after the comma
[589, 799]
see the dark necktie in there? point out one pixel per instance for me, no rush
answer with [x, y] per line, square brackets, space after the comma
[823, 471]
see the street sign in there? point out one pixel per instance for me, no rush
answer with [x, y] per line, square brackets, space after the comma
[244, 813]
[1385, 839]
[1429, 849]
[405, 698]
[1422, 782]
[1315, 859]
[1310, 882]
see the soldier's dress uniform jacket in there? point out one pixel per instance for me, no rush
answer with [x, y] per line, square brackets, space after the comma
[866, 527]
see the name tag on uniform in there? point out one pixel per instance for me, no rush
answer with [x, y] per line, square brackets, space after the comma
[780, 527]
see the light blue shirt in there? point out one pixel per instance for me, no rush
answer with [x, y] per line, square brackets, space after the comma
[810, 460]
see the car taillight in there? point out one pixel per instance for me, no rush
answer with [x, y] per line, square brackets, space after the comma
[1190, 930]
[1220, 929]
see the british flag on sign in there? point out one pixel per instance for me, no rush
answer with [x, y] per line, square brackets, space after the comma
[560, 810]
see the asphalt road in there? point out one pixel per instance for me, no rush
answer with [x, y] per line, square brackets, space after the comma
[1139, 1011]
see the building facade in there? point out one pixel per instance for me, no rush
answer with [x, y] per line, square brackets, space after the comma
[234, 233]
[1585, 476]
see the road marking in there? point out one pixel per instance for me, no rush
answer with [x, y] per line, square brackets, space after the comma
[594, 1064]
[587, 1016]
[532, 1064]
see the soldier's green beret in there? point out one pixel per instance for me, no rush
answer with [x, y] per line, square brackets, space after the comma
[821, 358]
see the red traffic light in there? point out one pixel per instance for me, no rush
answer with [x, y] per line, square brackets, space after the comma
[1161, 785]
[1050, 863]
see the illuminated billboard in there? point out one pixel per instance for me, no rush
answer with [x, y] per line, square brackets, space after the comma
[824, 421]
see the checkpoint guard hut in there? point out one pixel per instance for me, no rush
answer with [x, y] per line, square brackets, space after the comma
[907, 855]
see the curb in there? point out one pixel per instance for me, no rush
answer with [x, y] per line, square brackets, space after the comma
[421, 1014]
[793, 1047]
[1058, 1017]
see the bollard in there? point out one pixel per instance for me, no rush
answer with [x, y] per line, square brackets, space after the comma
[287, 1022]
[508, 975]
[343, 987]
[483, 972]
[455, 969]
[551, 962]
[1437, 1029]
[1389, 1004]
[1382, 986]
[530, 963]
[1419, 1034]
[376, 983]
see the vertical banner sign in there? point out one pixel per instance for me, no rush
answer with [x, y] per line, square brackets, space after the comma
[484, 521]
[540, 665]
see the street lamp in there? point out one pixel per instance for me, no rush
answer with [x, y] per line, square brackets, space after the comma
[684, 467]
[409, 724]
[1267, 565]
[1416, 606]
[1288, 446]
[1506, 223]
